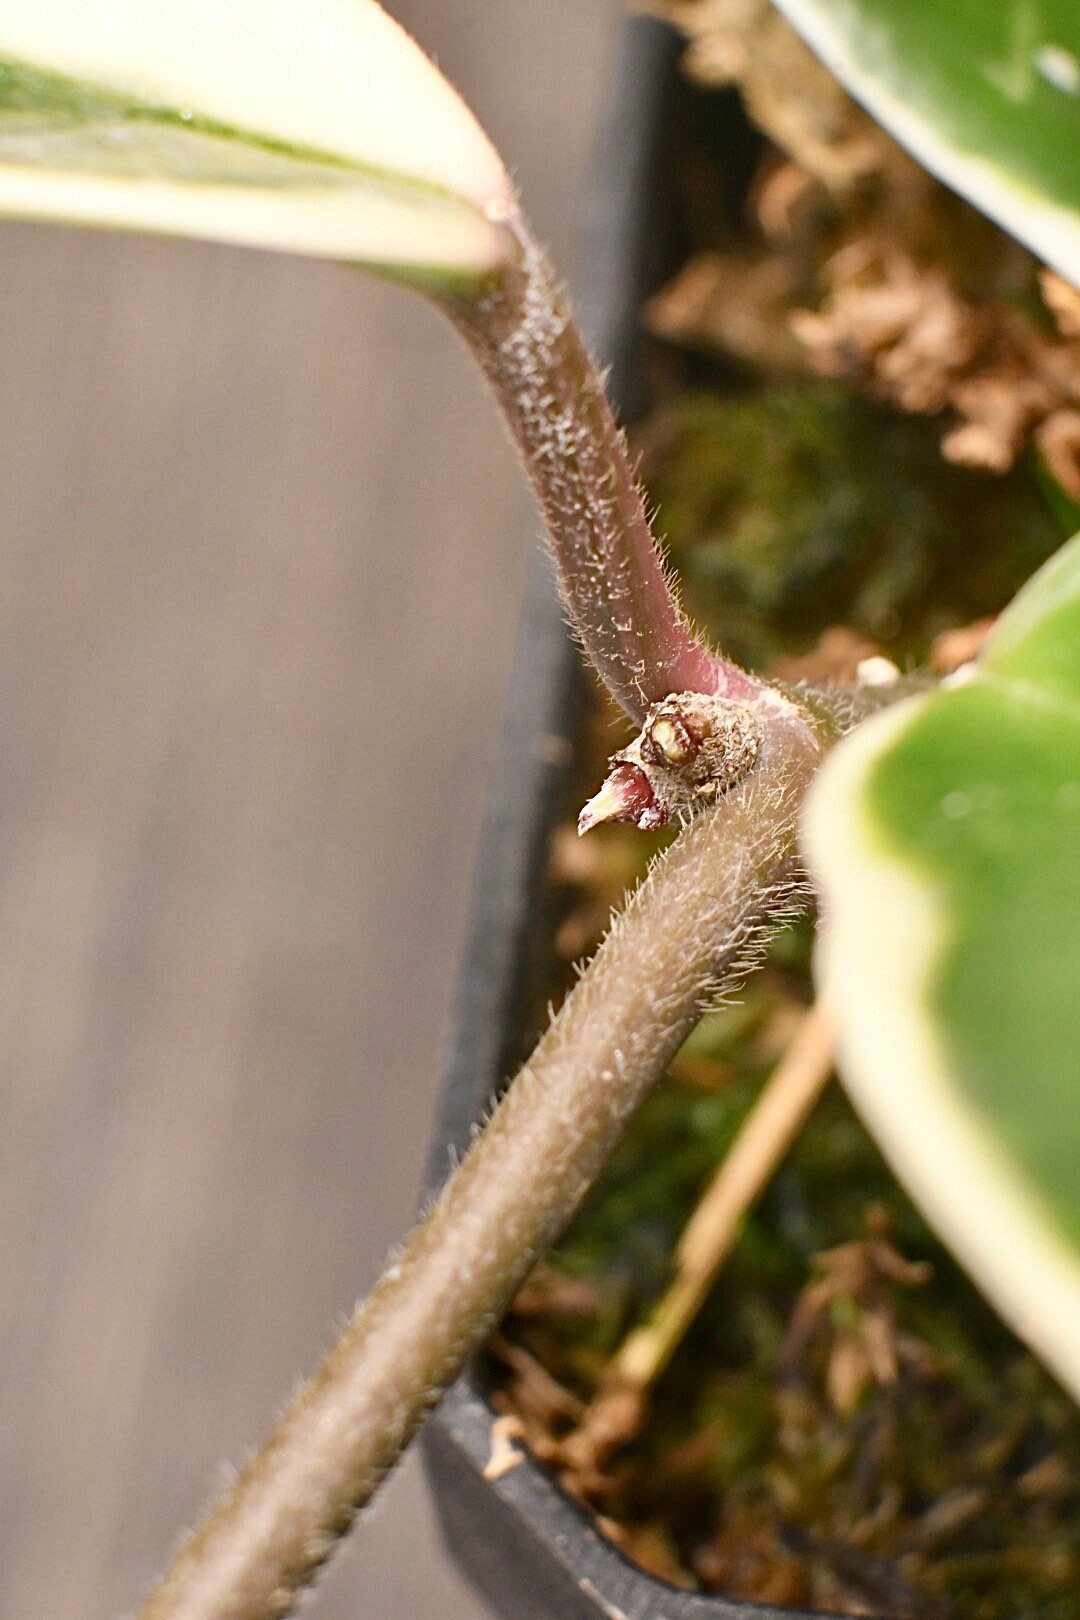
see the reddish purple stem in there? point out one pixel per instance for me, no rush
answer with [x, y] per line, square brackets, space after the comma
[612, 577]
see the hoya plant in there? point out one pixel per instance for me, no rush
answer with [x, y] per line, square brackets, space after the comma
[944, 836]
[941, 834]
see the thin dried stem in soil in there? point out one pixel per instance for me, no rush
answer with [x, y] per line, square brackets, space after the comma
[712, 1232]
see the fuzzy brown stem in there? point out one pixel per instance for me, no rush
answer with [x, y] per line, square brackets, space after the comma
[694, 927]
[613, 580]
[836, 710]
[620, 1404]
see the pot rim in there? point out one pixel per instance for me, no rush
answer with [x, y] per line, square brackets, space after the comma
[531, 1551]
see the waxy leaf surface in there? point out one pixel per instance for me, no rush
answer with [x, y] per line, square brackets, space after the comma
[985, 93]
[314, 126]
[945, 836]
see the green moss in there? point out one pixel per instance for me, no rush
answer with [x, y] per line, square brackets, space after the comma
[797, 508]
[951, 1490]
[846, 1425]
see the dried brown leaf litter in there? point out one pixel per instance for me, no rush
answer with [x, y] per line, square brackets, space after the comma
[860, 266]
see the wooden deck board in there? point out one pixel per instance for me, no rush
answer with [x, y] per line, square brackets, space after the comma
[260, 554]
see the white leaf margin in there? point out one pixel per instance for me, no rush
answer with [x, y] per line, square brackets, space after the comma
[347, 223]
[885, 930]
[1049, 229]
[335, 77]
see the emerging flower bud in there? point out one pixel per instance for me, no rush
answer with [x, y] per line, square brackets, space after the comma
[667, 741]
[626, 795]
[692, 747]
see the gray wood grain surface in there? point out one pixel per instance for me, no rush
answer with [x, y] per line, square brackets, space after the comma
[260, 551]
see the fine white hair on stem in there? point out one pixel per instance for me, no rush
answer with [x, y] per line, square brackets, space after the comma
[617, 585]
[691, 932]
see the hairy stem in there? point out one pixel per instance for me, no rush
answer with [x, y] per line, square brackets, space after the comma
[613, 580]
[773, 1124]
[693, 928]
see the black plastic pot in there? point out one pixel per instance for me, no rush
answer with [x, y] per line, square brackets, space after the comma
[529, 1550]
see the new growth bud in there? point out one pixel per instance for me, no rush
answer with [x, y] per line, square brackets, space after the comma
[666, 741]
[692, 747]
[627, 795]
